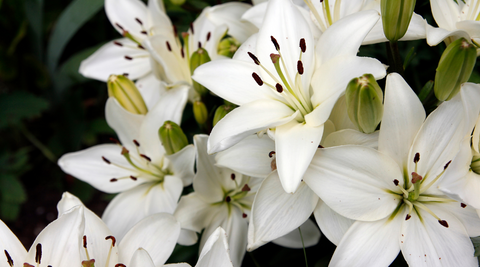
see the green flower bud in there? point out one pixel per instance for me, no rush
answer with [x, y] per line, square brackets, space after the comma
[475, 165]
[198, 58]
[396, 16]
[228, 46]
[126, 93]
[221, 112]
[200, 112]
[455, 67]
[172, 137]
[364, 103]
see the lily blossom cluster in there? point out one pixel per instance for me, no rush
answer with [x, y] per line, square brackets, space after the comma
[294, 137]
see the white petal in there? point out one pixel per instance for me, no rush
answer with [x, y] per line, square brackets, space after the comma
[445, 13]
[470, 26]
[276, 213]
[141, 258]
[437, 35]
[170, 107]
[246, 120]
[151, 89]
[193, 213]
[353, 28]
[470, 93]
[232, 80]
[112, 59]
[403, 116]
[416, 30]
[236, 228]
[427, 243]
[215, 251]
[249, 45]
[352, 137]
[368, 244]
[157, 234]
[256, 14]
[249, 156]
[339, 115]
[125, 13]
[354, 181]
[310, 234]
[60, 240]
[10, 243]
[295, 145]
[87, 165]
[129, 207]
[182, 164]
[332, 224]
[187, 238]
[467, 216]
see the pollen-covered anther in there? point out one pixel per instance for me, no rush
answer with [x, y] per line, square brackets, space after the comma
[257, 79]
[199, 45]
[128, 58]
[85, 241]
[416, 177]
[168, 46]
[446, 165]
[9, 259]
[182, 53]
[120, 265]
[111, 237]
[141, 46]
[408, 217]
[303, 45]
[113, 180]
[254, 58]
[144, 32]
[275, 43]
[136, 143]
[106, 160]
[38, 253]
[232, 176]
[133, 177]
[228, 199]
[416, 159]
[209, 34]
[396, 182]
[146, 157]
[271, 153]
[117, 43]
[119, 26]
[244, 215]
[463, 205]
[139, 21]
[279, 87]
[320, 146]
[246, 188]
[300, 67]
[191, 28]
[443, 223]
[115, 140]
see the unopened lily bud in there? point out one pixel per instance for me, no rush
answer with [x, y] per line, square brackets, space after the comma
[221, 112]
[198, 58]
[475, 165]
[455, 67]
[228, 46]
[396, 16]
[172, 137]
[200, 112]
[126, 93]
[364, 103]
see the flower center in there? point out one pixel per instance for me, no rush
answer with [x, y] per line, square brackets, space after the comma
[236, 197]
[329, 17]
[475, 165]
[91, 262]
[296, 97]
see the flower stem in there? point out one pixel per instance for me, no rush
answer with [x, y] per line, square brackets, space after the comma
[39, 145]
[394, 59]
[303, 245]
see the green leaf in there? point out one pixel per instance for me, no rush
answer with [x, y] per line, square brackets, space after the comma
[11, 189]
[34, 14]
[72, 18]
[20, 105]
[476, 245]
[15, 162]
[475, 77]
[9, 211]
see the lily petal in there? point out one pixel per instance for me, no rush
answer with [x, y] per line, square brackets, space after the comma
[9, 243]
[445, 13]
[194, 213]
[141, 258]
[151, 89]
[310, 235]
[351, 137]
[215, 251]
[182, 164]
[125, 124]
[123, 14]
[333, 225]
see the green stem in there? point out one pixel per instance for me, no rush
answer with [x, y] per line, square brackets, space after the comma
[44, 149]
[303, 245]
[394, 59]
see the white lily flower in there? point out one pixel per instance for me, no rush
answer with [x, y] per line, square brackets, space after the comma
[455, 19]
[221, 197]
[293, 94]
[393, 193]
[148, 180]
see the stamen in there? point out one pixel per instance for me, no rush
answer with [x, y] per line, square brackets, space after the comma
[271, 153]
[254, 58]
[257, 79]
[144, 32]
[303, 45]
[396, 182]
[320, 146]
[423, 207]
[168, 46]
[146, 157]
[244, 215]
[232, 176]
[118, 25]
[120, 265]
[136, 143]
[416, 159]
[175, 30]
[209, 34]
[111, 237]
[9, 259]
[275, 43]
[117, 43]
[446, 165]
[133, 177]
[436, 178]
[300, 67]
[106, 160]
[110, 250]
[139, 21]
[85, 246]
[128, 57]
[199, 45]
[113, 139]
[113, 180]
[191, 28]
[279, 87]
[228, 199]
[125, 74]
[246, 188]
[182, 53]
[408, 217]
[38, 253]
[443, 223]
[463, 205]
[141, 46]
[410, 208]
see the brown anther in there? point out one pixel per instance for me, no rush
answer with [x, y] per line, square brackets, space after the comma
[9, 259]
[133, 177]
[254, 58]
[120, 265]
[300, 67]
[141, 46]
[125, 74]
[85, 241]
[128, 57]
[182, 53]
[463, 205]
[117, 43]
[139, 21]
[274, 58]
[232, 176]
[446, 165]
[191, 28]
[279, 87]
[111, 237]
[320, 146]
[408, 217]
[124, 151]
[106, 160]
[209, 34]
[118, 25]
[416, 177]
[144, 32]
[275, 43]
[303, 45]
[416, 159]
[228, 199]
[114, 140]
[257, 79]
[38, 253]
[168, 46]
[146, 157]
[113, 180]
[271, 153]
[246, 188]
[396, 182]
[199, 45]
[443, 223]
[175, 30]
[244, 215]
[136, 143]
